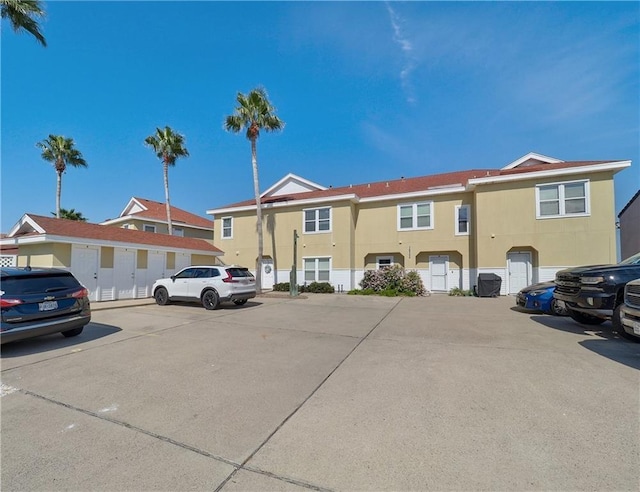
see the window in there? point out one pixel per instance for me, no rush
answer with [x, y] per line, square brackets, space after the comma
[317, 269]
[317, 220]
[384, 261]
[463, 215]
[562, 199]
[178, 231]
[187, 273]
[227, 227]
[149, 228]
[415, 216]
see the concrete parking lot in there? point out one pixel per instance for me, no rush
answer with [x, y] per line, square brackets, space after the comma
[327, 392]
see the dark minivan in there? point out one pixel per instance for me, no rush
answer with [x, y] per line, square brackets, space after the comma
[41, 301]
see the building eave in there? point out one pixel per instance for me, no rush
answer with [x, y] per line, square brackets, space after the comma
[445, 190]
[566, 171]
[128, 218]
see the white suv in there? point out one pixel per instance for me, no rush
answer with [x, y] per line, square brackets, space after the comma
[209, 285]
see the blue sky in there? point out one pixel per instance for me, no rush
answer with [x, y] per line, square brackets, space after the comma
[369, 91]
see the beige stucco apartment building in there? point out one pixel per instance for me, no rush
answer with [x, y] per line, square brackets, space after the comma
[522, 222]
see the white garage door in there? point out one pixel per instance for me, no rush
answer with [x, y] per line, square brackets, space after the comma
[155, 268]
[124, 273]
[84, 266]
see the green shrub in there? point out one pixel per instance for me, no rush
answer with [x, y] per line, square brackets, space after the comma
[456, 291]
[313, 287]
[361, 292]
[318, 288]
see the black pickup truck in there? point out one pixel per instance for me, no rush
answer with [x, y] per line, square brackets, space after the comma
[593, 294]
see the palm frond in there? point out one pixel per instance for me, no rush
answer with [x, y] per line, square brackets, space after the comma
[23, 15]
[255, 113]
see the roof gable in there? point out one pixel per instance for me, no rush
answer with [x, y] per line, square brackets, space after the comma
[290, 184]
[133, 207]
[532, 159]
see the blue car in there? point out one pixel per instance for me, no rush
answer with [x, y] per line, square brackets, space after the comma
[539, 297]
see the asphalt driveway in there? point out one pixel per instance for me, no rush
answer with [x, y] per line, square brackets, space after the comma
[330, 392]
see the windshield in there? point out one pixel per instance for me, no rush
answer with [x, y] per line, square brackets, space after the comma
[632, 260]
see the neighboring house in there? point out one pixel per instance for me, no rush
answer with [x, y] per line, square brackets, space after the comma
[149, 216]
[523, 222]
[8, 254]
[113, 263]
[629, 220]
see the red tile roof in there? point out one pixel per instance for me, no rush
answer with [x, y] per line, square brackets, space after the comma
[411, 185]
[158, 211]
[85, 230]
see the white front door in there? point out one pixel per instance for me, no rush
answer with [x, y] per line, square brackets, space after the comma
[267, 273]
[84, 266]
[519, 265]
[124, 273]
[438, 266]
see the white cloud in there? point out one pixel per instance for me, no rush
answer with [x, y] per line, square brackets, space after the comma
[409, 62]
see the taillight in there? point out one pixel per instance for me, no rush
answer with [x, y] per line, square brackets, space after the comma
[78, 294]
[229, 279]
[6, 303]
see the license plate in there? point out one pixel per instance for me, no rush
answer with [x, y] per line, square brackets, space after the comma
[636, 327]
[48, 305]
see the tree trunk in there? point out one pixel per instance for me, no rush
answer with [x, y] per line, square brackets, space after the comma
[166, 197]
[58, 193]
[256, 190]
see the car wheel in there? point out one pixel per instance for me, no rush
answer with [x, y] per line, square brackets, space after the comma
[585, 319]
[210, 300]
[161, 296]
[240, 302]
[73, 333]
[616, 323]
[557, 309]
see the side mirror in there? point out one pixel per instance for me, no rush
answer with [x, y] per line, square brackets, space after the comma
[173, 278]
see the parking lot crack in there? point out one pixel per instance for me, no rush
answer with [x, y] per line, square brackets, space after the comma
[313, 392]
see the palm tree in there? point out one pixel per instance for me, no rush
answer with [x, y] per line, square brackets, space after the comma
[71, 214]
[255, 113]
[61, 152]
[168, 146]
[22, 15]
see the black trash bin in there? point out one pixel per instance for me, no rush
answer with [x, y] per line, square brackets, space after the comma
[489, 285]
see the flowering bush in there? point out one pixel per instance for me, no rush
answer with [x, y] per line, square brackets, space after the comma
[393, 280]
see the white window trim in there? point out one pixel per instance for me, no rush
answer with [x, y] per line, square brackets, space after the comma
[222, 236]
[415, 216]
[457, 221]
[305, 210]
[144, 226]
[316, 258]
[561, 199]
[378, 258]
